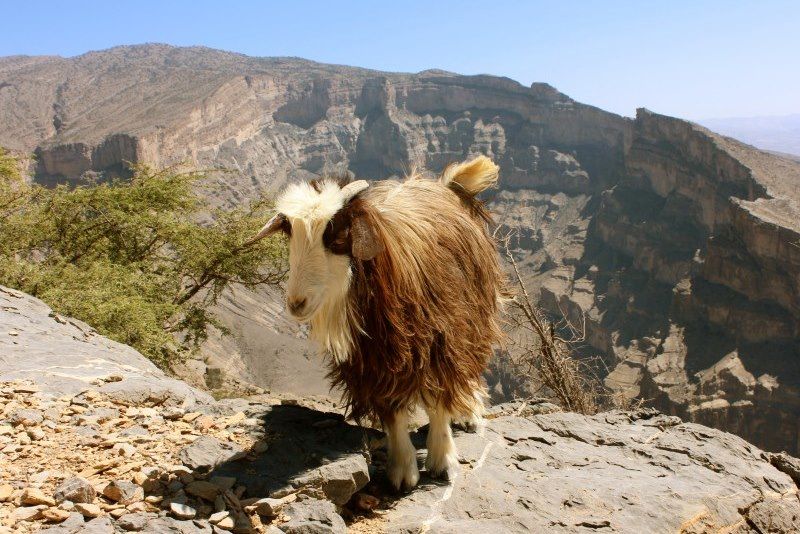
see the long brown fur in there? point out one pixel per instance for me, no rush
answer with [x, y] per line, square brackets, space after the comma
[423, 312]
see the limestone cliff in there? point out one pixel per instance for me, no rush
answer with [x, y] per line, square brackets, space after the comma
[678, 248]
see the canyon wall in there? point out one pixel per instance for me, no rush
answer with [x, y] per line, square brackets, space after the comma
[678, 249]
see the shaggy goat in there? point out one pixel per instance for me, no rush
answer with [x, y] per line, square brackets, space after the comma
[401, 283]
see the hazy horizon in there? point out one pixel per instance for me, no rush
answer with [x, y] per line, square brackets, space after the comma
[708, 61]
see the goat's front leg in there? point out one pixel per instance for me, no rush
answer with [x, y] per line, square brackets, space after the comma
[442, 460]
[402, 469]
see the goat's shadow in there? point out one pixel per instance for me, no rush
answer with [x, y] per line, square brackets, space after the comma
[298, 439]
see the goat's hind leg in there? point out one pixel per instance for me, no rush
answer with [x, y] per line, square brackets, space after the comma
[473, 421]
[442, 460]
[402, 467]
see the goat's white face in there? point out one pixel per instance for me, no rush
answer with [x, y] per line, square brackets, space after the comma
[316, 276]
[319, 262]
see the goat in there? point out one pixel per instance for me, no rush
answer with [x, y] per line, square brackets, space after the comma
[401, 284]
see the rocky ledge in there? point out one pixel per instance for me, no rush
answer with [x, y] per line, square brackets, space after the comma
[80, 456]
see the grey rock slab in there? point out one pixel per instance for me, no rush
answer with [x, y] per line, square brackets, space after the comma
[25, 417]
[75, 489]
[206, 452]
[64, 356]
[135, 522]
[70, 525]
[313, 516]
[339, 479]
[301, 452]
[613, 472]
[98, 525]
[169, 525]
[123, 492]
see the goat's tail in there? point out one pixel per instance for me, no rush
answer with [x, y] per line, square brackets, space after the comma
[472, 176]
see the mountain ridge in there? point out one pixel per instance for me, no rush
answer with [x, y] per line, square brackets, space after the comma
[674, 245]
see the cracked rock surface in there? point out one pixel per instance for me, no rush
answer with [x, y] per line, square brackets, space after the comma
[614, 472]
[76, 457]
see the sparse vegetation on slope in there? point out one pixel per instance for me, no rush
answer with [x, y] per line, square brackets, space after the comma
[130, 257]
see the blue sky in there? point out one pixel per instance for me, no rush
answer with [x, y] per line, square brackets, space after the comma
[693, 59]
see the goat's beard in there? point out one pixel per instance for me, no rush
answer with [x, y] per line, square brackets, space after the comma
[331, 319]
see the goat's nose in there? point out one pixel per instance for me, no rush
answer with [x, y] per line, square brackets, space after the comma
[296, 305]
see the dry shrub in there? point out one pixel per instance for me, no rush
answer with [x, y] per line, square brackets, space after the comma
[546, 352]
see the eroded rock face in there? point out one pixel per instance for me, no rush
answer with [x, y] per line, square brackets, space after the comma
[677, 248]
[259, 465]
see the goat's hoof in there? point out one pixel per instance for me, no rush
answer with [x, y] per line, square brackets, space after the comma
[470, 424]
[445, 467]
[403, 474]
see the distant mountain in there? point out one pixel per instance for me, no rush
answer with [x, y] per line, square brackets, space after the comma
[776, 134]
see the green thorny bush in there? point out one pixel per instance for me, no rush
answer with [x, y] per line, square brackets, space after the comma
[131, 258]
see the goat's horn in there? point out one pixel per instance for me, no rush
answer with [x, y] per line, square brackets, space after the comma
[272, 226]
[353, 188]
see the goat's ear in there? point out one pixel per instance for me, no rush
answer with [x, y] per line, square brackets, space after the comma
[473, 176]
[365, 241]
[272, 226]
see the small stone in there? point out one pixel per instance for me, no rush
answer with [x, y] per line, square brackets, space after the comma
[204, 422]
[28, 513]
[100, 525]
[75, 489]
[365, 501]
[153, 499]
[36, 434]
[224, 483]
[88, 510]
[119, 512]
[148, 412]
[191, 416]
[217, 517]
[26, 388]
[235, 419]
[203, 489]
[172, 413]
[151, 472]
[24, 439]
[39, 478]
[26, 417]
[55, 515]
[136, 507]
[5, 492]
[260, 446]
[182, 511]
[123, 492]
[125, 450]
[268, 506]
[179, 470]
[174, 486]
[34, 496]
[135, 522]
[226, 523]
